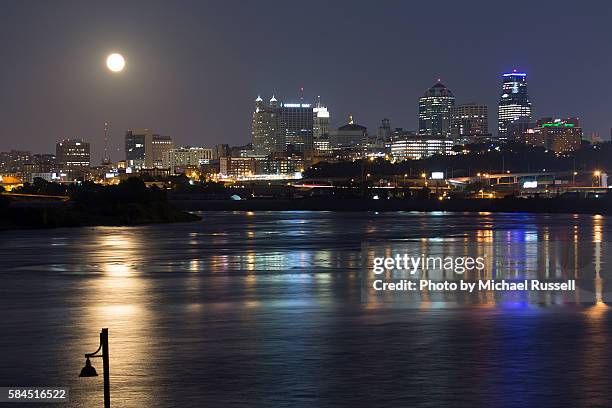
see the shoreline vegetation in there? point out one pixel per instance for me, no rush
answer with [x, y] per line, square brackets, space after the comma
[50, 205]
[89, 204]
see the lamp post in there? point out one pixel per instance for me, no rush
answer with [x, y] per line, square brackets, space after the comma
[90, 371]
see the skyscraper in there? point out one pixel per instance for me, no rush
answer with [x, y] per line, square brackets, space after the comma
[282, 127]
[144, 149]
[469, 124]
[434, 111]
[320, 125]
[384, 131]
[139, 142]
[264, 125]
[320, 128]
[296, 122]
[514, 103]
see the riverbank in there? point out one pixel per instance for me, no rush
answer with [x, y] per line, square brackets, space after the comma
[56, 215]
[532, 205]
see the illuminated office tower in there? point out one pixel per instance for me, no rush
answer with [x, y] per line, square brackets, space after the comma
[320, 125]
[296, 123]
[320, 128]
[434, 111]
[282, 127]
[73, 157]
[264, 125]
[514, 103]
[469, 124]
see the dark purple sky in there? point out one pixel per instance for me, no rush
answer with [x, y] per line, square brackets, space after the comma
[195, 67]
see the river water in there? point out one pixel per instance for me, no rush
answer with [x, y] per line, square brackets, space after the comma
[267, 309]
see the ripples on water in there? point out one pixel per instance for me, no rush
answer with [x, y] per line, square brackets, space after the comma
[264, 309]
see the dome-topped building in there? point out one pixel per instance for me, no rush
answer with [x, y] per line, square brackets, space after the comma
[435, 110]
[439, 89]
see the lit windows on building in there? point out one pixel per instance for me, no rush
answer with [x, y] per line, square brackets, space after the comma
[469, 124]
[557, 135]
[514, 103]
[186, 157]
[435, 111]
[419, 147]
[285, 127]
[73, 157]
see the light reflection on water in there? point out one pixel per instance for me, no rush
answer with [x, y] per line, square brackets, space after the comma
[247, 309]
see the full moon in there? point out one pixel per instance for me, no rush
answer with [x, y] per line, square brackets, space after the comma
[115, 62]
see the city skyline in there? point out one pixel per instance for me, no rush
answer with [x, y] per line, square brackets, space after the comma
[180, 91]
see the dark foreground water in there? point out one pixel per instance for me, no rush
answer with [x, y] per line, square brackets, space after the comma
[265, 309]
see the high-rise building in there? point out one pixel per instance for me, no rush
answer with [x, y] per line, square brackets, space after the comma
[434, 111]
[139, 142]
[469, 124]
[145, 149]
[159, 146]
[320, 121]
[266, 138]
[73, 157]
[296, 122]
[320, 128]
[282, 127]
[557, 135]
[514, 103]
[384, 131]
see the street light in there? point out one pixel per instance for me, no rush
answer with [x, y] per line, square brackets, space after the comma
[90, 371]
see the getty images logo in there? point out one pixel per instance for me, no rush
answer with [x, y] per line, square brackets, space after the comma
[413, 264]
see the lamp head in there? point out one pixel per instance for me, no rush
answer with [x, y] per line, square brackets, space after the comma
[88, 370]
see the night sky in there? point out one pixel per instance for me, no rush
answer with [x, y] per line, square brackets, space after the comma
[194, 68]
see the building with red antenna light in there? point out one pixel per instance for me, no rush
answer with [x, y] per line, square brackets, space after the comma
[435, 111]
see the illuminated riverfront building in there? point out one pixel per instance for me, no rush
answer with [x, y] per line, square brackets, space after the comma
[514, 103]
[415, 147]
[237, 166]
[186, 157]
[557, 135]
[435, 111]
[469, 124]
